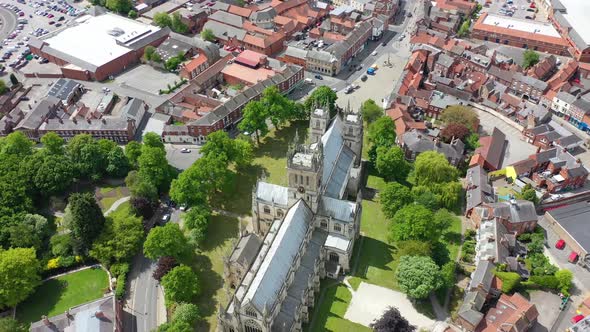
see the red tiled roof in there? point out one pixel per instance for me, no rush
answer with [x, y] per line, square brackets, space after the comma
[250, 58]
[244, 12]
[492, 29]
[195, 62]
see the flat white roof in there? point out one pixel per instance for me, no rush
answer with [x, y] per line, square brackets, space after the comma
[577, 16]
[530, 26]
[337, 241]
[94, 38]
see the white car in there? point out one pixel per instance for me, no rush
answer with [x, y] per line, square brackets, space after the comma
[185, 150]
[165, 218]
[374, 53]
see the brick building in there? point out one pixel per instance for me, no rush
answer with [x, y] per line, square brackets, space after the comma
[528, 34]
[95, 48]
[518, 216]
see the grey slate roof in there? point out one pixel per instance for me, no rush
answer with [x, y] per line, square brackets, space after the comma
[470, 309]
[417, 143]
[519, 211]
[496, 149]
[567, 97]
[480, 190]
[296, 52]
[263, 15]
[246, 249]
[270, 193]
[501, 74]
[482, 276]
[34, 118]
[281, 253]
[531, 81]
[337, 209]
[224, 31]
[574, 220]
[338, 160]
[228, 18]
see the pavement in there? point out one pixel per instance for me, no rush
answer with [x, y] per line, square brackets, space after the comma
[146, 78]
[548, 307]
[116, 204]
[369, 302]
[181, 160]
[516, 149]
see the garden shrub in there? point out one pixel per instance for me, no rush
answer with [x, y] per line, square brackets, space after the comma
[510, 280]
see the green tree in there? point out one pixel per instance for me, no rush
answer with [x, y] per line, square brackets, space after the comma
[321, 97]
[173, 63]
[254, 119]
[86, 155]
[85, 220]
[153, 140]
[461, 115]
[9, 324]
[208, 35]
[141, 187]
[3, 87]
[119, 241]
[382, 132]
[16, 143]
[61, 244]
[181, 284]
[132, 14]
[154, 167]
[414, 248]
[472, 141]
[432, 167]
[443, 219]
[148, 52]
[371, 111]
[414, 222]
[201, 179]
[510, 280]
[196, 221]
[13, 79]
[448, 274]
[119, 6]
[564, 277]
[280, 109]
[454, 131]
[448, 194]
[418, 276]
[54, 175]
[31, 231]
[530, 58]
[163, 20]
[118, 164]
[19, 275]
[132, 152]
[528, 193]
[425, 197]
[166, 240]
[186, 312]
[391, 163]
[464, 28]
[177, 25]
[393, 197]
[53, 143]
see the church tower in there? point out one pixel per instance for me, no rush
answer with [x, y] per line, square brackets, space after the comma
[353, 133]
[304, 171]
[318, 123]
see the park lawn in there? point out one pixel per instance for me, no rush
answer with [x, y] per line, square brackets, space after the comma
[107, 202]
[452, 238]
[270, 163]
[376, 263]
[54, 296]
[123, 210]
[376, 182]
[222, 231]
[332, 310]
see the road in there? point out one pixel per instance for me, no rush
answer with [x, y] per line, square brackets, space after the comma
[8, 19]
[144, 308]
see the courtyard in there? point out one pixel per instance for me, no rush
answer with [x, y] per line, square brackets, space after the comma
[147, 79]
[57, 295]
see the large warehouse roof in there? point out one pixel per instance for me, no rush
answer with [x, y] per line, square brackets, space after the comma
[576, 14]
[575, 219]
[100, 39]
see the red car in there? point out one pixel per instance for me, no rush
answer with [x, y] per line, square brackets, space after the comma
[21, 14]
[577, 318]
[50, 15]
[573, 257]
[532, 5]
[560, 244]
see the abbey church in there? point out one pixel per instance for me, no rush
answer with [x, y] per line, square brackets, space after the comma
[301, 233]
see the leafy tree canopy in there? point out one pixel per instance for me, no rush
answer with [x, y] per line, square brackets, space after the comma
[460, 114]
[393, 197]
[392, 321]
[391, 163]
[530, 58]
[321, 97]
[418, 276]
[166, 240]
[84, 218]
[19, 271]
[181, 284]
[432, 167]
[371, 111]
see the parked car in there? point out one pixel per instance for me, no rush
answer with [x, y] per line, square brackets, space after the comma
[384, 44]
[560, 244]
[374, 53]
[318, 77]
[364, 78]
[185, 150]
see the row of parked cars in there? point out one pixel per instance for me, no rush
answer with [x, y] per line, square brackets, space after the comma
[14, 8]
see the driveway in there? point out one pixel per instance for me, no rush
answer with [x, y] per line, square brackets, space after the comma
[516, 149]
[369, 302]
[548, 307]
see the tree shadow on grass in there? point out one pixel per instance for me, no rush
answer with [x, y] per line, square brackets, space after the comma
[276, 144]
[210, 283]
[236, 195]
[452, 237]
[374, 253]
[42, 301]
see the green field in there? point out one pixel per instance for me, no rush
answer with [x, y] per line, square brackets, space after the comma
[54, 296]
[332, 310]
[209, 266]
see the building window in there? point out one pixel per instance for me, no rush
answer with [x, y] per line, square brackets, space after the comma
[279, 213]
[252, 326]
[301, 179]
[324, 224]
[337, 228]
[307, 180]
[251, 313]
[266, 209]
